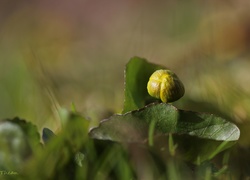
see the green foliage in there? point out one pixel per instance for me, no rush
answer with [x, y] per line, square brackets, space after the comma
[148, 141]
[47, 135]
[204, 129]
[137, 74]
[168, 119]
[18, 141]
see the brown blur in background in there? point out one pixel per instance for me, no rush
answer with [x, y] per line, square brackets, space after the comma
[53, 53]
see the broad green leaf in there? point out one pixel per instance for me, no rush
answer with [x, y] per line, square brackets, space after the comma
[133, 126]
[137, 74]
[201, 130]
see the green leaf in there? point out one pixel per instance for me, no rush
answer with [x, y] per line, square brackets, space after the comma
[79, 157]
[137, 74]
[47, 135]
[18, 141]
[205, 134]
[133, 126]
[29, 129]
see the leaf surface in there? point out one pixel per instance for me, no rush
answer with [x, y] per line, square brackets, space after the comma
[137, 74]
[197, 135]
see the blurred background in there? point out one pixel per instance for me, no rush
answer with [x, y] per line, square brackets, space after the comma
[53, 53]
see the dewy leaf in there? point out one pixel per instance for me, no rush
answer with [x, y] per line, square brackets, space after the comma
[137, 74]
[133, 126]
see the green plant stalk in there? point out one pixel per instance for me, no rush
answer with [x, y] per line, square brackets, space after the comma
[151, 133]
[172, 146]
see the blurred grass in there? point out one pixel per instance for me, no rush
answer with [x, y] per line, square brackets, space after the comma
[76, 52]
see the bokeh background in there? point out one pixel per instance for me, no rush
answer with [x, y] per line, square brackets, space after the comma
[53, 53]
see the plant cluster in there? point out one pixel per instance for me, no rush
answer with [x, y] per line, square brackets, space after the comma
[148, 140]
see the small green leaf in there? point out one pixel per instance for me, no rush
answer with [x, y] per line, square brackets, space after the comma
[47, 135]
[137, 74]
[79, 157]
